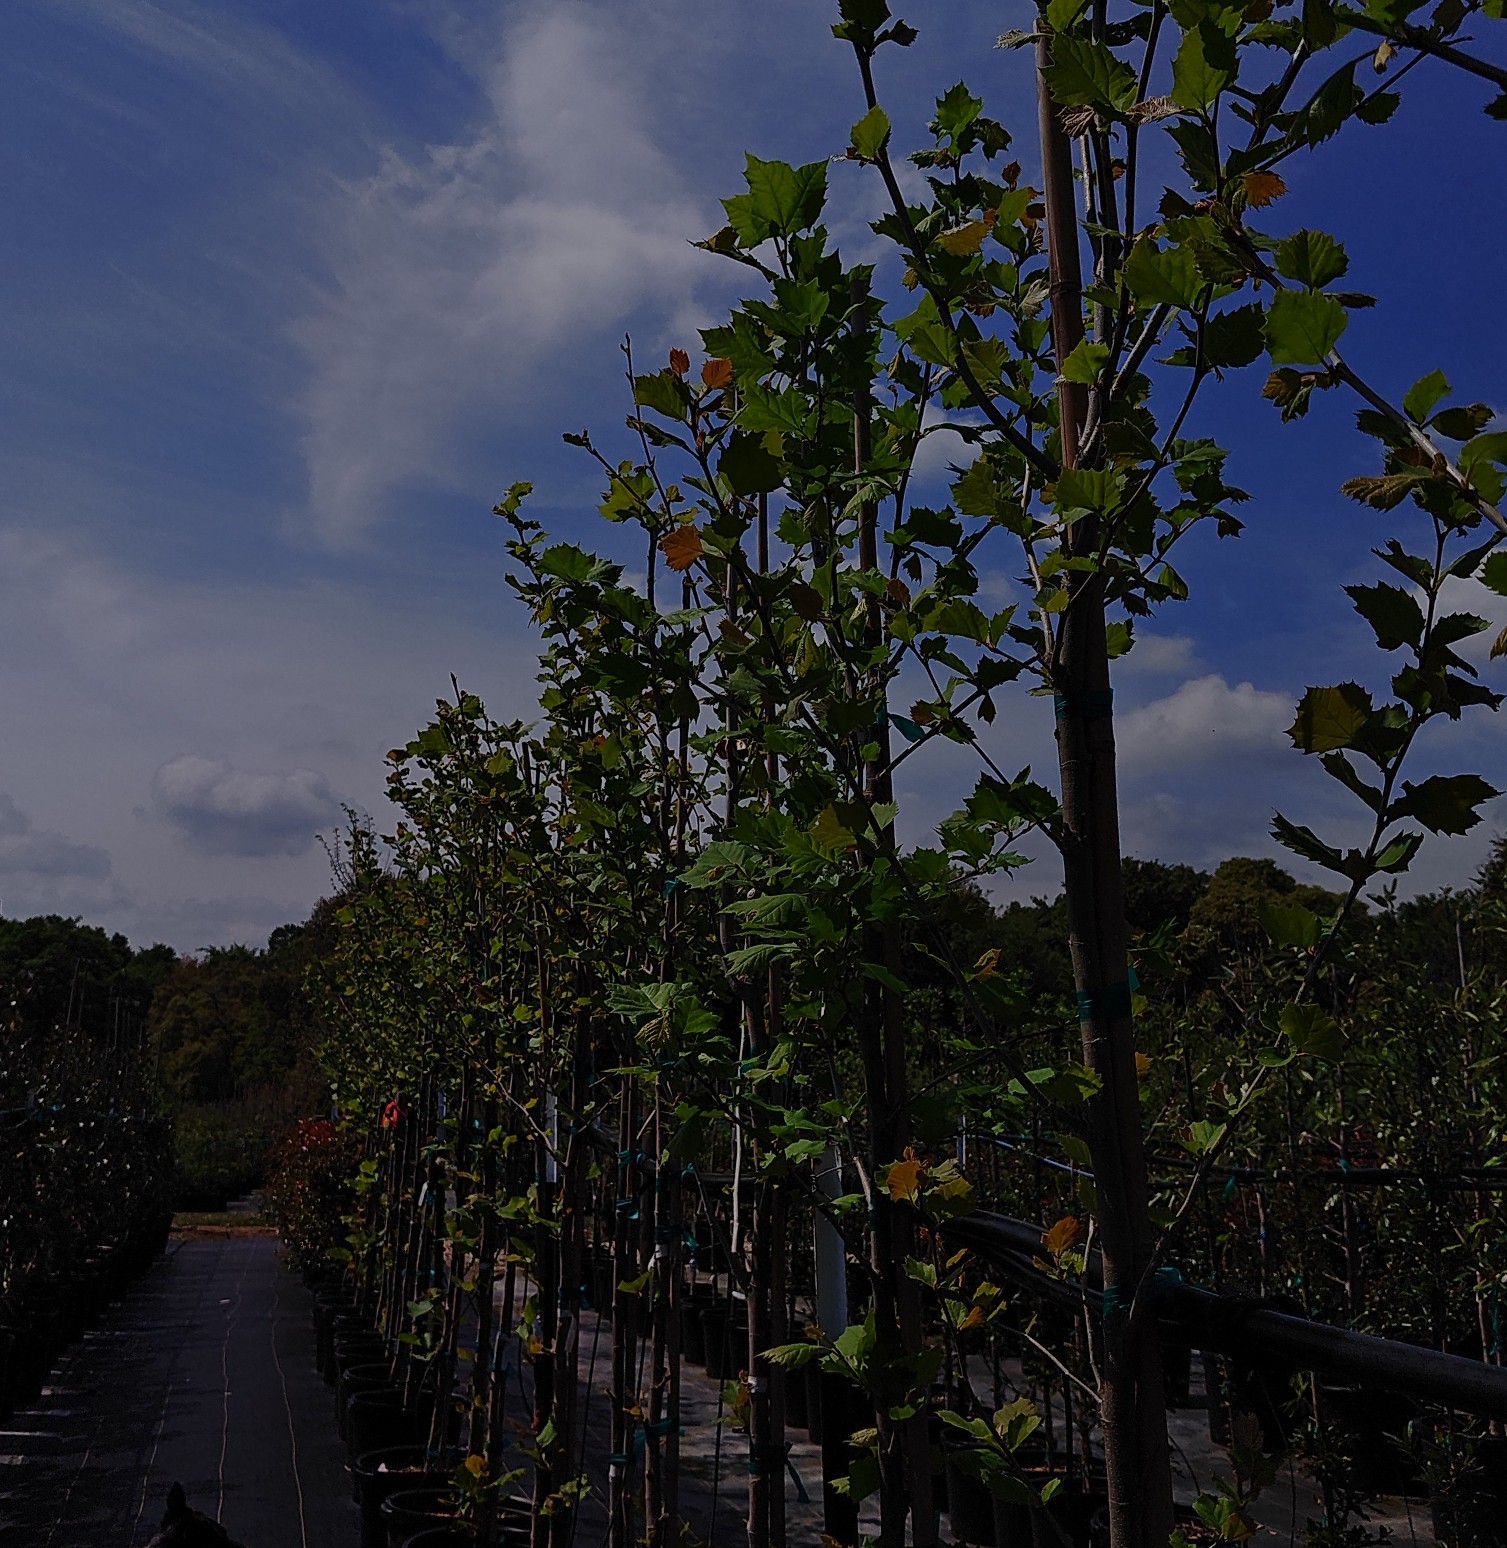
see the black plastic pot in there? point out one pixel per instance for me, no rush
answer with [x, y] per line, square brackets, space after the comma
[408, 1512]
[970, 1504]
[692, 1331]
[378, 1474]
[375, 1420]
[726, 1337]
[361, 1378]
[1370, 1427]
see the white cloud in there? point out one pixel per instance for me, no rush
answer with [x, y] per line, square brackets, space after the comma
[462, 278]
[941, 448]
[1204, 720]
[1158, 653]
[222, 810]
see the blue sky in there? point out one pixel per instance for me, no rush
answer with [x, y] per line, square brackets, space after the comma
[293, 291]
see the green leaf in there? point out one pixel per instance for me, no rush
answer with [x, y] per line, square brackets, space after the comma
[1444, 803]
[871, 133]
[792, 1357]
[1398, 855]
[782, 199]
[748, 465]
[1306, 843]
[1235, 338]
[1420, 399]
[1311, 258]
[1155, 275]
[1085, 363]
[1198, 79]
[1312, 1031]
[1494, 573]
[663, 392]
[957, 112]
[1392, 612]
[1086, 74]
[1303, 326]
[1329, 718]
[1289, 926]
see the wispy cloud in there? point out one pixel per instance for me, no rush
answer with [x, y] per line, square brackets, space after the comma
[462, 279]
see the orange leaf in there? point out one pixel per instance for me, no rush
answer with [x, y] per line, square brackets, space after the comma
[1262, 188]
[1059, 1237]
[1142, 1064]
[681, 547]
[905, 1179]
[680, 362]
[717, 373]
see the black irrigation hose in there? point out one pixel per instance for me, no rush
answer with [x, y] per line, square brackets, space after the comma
[1247, 1326]
[1470, 1179]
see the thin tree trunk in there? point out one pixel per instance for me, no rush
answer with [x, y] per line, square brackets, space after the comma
[1132, 1404]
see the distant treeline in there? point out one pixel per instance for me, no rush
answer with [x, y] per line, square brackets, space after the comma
[230, 1034]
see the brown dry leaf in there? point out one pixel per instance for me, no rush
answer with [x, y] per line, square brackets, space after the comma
[1263, 188]
[905, 1178]
[717, 373]
[1142, 1064]
[897, 590]
[681, 546]
[680, 362]
[1061, 1236]
[1383, 55]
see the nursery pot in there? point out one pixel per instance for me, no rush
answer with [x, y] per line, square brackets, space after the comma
[374, 1420]
[410, 1511]
[970, 1503]
[361, 1378]
[377, 1474]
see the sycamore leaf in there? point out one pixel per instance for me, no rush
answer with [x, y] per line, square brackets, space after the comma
[1063, 1235]
[871, 134]
[1392, 612]
[680, 362]
[904, 1180]
[1420, 400]
[1154, 274]
[1142, 1064]
[681, 546]
[1303, 326]
[1086, 361]
[1312, 1031]
[966, 239]
[1329, 718]
[1262, 188]
[1289, 926]
[1311, 258]
[1197, 78]
[1086, 74]
[717, 373]
[1444, 803]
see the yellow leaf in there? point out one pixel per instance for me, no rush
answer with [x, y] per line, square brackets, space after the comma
[1142, 1064]
[905, 1179]
[717, 373]
[1262, 188]
[680, 362]
[476, 1465]
[972, 1320]
[966, 239]
[987, 965]
[1059, 1237]
[681, 546]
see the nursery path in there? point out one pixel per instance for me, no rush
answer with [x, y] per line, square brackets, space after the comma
[203, 1374]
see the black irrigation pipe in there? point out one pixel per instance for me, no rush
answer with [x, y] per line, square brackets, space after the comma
[1471, 1179]
[1252, 1329]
